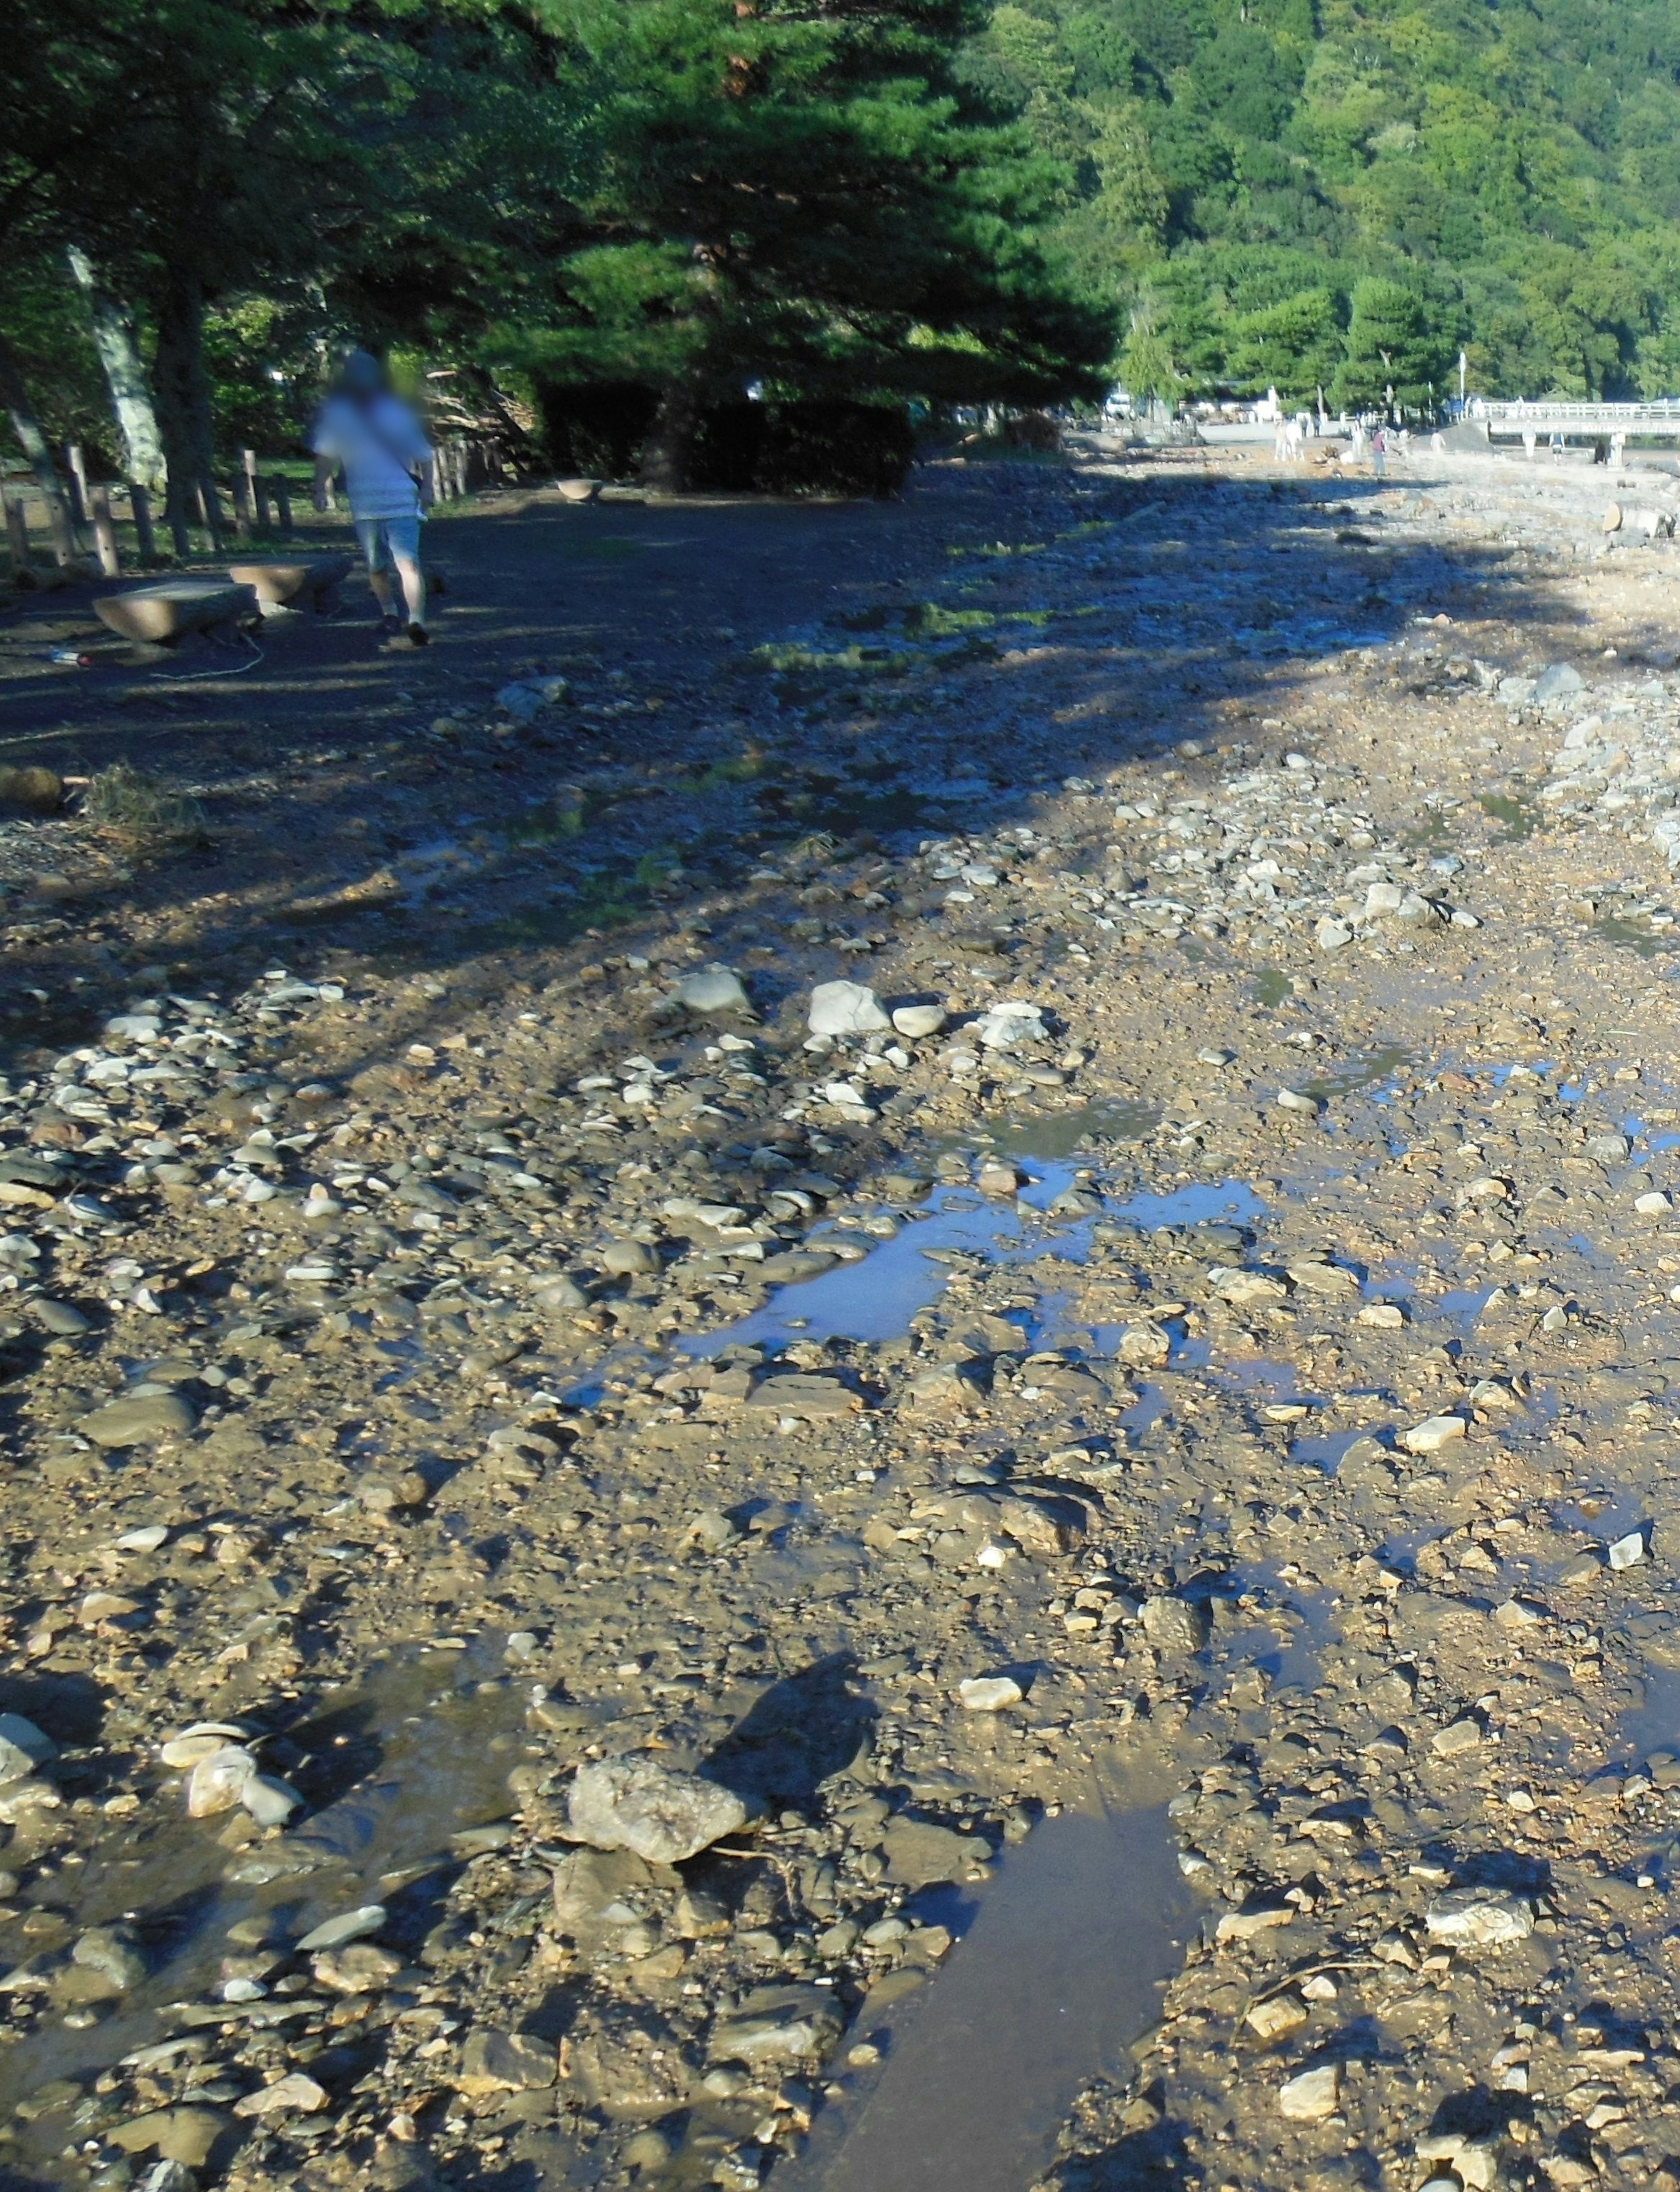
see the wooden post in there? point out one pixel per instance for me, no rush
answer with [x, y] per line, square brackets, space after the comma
[105, 532]
[242, 505]
[17, 530]
[63, 530]
[248, 458]
[209, 509]
[76, 465]
[283, 503]
[260, 499]
[145, 537]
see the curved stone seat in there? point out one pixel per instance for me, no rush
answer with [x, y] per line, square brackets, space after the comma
[280, 583]
[164, 609]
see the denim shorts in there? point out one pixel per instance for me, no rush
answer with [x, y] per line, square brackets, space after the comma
[384, 539]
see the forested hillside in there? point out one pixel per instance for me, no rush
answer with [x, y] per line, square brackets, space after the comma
[1317, 191]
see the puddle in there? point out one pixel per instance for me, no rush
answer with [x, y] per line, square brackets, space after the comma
[1654, 1724]
[876, 1297]
[1632, 936]
[1061, 1972]
[1516, 818]
[1226, 1202]
[1271, 986]
[442, 1727]
[1371, 1069]
[1060, 1133]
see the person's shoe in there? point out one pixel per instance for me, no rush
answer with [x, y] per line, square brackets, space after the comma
[418, 636]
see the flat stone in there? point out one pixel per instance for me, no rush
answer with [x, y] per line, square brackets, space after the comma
[1479, 1918]
[333, 1932]
[184, 2135]
[362, 1967]
[216, 1784]
[146, 1420]
[919, 1853]
[527, 697]
[1173, 1624]
[1277, 2017]
[1434, 1433]
[1627, 1552]
[778, 2024]
[293, 2093]
[1557, 681]
[839, 1008]
[1455, 1740]
[505, 2063]
[110, 1952]
[281, 583]
[165, 609]
[664, 1816]
[811, 1397]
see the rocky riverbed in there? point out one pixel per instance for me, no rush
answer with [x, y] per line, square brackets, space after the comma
[1040, 1205]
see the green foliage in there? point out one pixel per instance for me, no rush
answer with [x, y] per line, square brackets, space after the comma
[1512, 171]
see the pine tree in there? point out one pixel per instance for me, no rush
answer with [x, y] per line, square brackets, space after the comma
[795, 196]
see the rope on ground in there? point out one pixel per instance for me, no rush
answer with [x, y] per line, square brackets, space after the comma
[193, 677]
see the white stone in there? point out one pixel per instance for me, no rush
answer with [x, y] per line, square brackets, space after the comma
[1479, 1918]
[1655, 1204]
[846, 1009]
[664, 1816]
[218, 1780]
[714, 988]
[357, 1925]
[915, 1021]
[1432, 1434]
[1008, 1026]
[1627, 1552]
[1332, 934]
[989, 1693]
[1311, 2096]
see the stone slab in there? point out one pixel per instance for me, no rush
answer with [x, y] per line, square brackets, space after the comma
[281, 583]
[166, 608]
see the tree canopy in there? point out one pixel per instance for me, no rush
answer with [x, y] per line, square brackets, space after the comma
[1254, 167]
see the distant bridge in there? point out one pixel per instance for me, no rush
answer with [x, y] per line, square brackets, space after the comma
[1577, 422]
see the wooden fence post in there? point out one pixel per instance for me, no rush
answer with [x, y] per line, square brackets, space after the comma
[283, 503]
[76, 465]
[145, 537]
[209, 509]
[242, 505]
[259, 502]
[105, 532]
[248, 458]
[17, 530]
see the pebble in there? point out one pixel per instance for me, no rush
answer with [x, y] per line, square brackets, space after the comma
[217, 1782]
[714, 992]
[1627, 1552]
[296, 2092]
[1432, 1434]
[916, 1022]
[23, 1747]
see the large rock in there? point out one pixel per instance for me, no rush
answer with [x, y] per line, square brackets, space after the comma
[846, 1009]
[505, 2063]
[664, 1816]
[1479, 1918]
[1174, 1625]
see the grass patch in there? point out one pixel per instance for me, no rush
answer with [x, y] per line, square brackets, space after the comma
[143, 809]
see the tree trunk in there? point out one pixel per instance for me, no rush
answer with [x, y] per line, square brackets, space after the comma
[668, 450]
[118, 348]
[15, 395]
[183, 391]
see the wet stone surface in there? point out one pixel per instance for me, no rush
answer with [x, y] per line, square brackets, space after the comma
[978, 1485]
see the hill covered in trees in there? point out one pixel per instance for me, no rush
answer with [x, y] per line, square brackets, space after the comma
[1341, 192]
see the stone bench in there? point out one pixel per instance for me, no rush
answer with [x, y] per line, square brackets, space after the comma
[166, 609]
[282, 585]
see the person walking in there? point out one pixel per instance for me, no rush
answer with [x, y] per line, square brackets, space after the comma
[1379, 452]
[390, 476]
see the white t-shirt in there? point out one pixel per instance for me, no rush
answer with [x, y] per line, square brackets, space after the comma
[377, 444]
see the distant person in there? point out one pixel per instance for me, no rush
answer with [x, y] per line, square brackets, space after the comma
[1529, 438]
[390, 477]
[1379, 452]
[1558, 446]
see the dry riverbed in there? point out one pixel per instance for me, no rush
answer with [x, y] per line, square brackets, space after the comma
[957, 1376]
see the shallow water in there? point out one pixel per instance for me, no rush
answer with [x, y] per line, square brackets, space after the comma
[441, 1724]
[1061, 1973]
[876, 1297]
